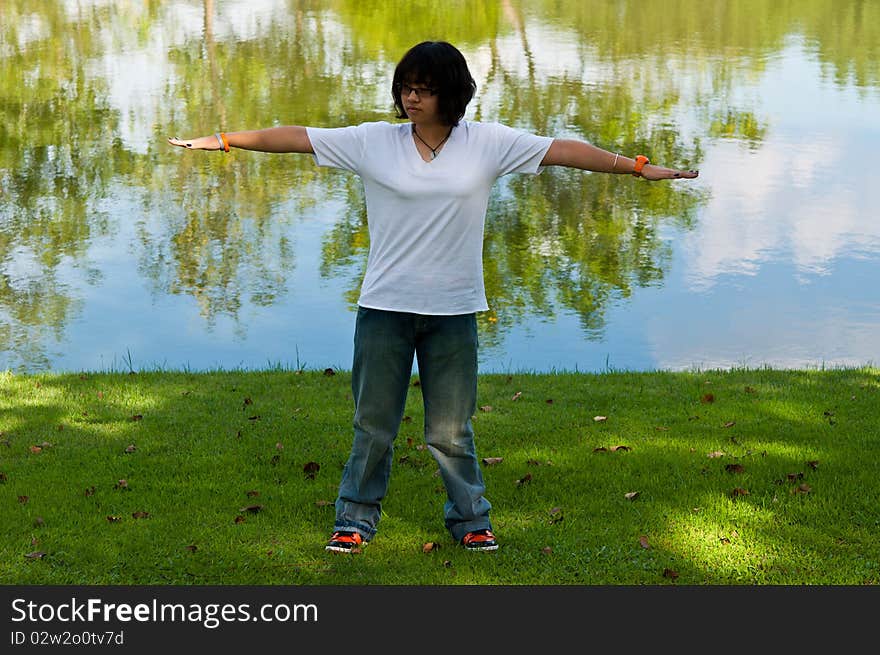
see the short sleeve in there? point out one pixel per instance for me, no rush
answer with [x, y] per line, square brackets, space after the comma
[339, 147]
[519, 151]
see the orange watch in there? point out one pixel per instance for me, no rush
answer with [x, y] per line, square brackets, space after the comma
[641, 160]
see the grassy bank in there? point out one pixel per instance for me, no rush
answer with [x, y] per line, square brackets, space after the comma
[720, 477]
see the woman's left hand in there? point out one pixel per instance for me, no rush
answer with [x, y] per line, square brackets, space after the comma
[652, 172]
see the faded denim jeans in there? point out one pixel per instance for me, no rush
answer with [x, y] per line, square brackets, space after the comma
[446, 351]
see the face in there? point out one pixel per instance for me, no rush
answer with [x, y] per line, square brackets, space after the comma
[419, 101]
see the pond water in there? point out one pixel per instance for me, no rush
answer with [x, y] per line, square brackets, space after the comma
[118, 251]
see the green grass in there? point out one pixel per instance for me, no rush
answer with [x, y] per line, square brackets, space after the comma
[205, 440]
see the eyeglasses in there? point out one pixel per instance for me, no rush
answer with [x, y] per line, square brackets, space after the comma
[406, 89]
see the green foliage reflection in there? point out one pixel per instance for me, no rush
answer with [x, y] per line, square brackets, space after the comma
[222, 229]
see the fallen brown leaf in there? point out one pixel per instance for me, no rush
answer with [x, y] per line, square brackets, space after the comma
[802, 489]
[751, 390]
[23, 499]
[716, 453]
[310, 469]
[549, 401]
[136, 417]
[114, 519]
[524, 480]
[37, 554]
[517, 395]
[140, 515]
[130, 448]
[813, 464]
[252, 494]
[36, 450]
[739, 491]
[643, 542]
[122, 484]
[707, 398]
[430, 546]
[253, 509]
[631, 495]
[600, 419]
[279, 446]
[600, 449]
[486, 408]
[669, 573]
[729, 424]
[616, 448]
[734, 468]
[546, 550]
[240, 519]
[323, 503]
[491, 461]
[192, 548]
[90, 491]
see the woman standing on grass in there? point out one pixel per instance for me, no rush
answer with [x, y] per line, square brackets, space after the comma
[427, 184]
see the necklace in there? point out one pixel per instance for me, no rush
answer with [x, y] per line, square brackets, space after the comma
[434, 149]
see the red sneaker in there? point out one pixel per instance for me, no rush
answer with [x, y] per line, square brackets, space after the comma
[345, 542]
[479, 540]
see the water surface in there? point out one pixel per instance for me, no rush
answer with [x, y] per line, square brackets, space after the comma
[119, 251]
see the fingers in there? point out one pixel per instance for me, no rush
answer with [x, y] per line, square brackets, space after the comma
[177, 141]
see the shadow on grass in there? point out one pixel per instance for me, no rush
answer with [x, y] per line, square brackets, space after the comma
[208, 446]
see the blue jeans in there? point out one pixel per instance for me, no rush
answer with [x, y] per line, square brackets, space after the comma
[446, 348]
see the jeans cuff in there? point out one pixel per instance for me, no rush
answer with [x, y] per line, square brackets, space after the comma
[459, 530]
[349, 526]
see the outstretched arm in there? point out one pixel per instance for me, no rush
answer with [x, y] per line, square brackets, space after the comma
[579, 154]
[290, 138]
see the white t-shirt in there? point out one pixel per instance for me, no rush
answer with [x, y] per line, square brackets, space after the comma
[426, 219]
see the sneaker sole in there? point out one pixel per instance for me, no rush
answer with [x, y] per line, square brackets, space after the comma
[481, 548]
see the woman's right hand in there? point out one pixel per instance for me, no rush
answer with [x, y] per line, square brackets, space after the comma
[199, 143]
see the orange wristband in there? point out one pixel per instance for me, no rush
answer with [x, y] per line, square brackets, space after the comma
[221, 137]
[641, 160]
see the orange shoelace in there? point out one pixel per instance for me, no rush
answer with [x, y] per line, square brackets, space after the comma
[478, 537]
[353, 538]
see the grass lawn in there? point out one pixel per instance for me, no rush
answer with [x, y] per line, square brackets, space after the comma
[743, 477]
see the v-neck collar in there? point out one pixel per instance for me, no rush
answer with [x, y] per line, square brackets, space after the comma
[414, 146]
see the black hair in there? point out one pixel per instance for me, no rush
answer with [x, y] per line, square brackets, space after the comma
[438, 65]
